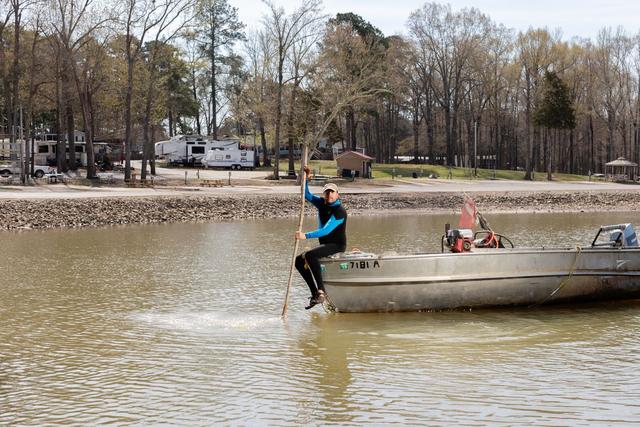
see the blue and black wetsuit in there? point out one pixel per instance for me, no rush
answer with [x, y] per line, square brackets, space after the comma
[332, 234]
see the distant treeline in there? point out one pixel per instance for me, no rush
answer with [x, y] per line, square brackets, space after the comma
[455, 82]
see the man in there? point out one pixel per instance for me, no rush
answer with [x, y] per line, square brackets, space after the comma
[331, 233]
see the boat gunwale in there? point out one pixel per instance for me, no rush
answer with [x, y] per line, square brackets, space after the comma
[493, 252]
[453, 279]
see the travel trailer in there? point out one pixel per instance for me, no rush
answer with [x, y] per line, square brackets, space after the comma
[231, 156]
[45, 151]
[45, 146]
[189, 149]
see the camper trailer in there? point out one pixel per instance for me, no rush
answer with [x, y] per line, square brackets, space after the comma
[46, 145]
[189, 149]
[231, 156]
[45, 151]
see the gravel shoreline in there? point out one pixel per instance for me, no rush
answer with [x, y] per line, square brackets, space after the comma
[92, 212]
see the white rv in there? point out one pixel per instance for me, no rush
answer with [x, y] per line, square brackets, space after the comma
[189, 149]
[231, 156]
[45, 151]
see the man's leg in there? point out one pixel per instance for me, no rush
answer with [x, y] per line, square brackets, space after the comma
[313, 259]
[306, 275]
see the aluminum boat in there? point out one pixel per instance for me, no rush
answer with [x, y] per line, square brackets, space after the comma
[473, 272]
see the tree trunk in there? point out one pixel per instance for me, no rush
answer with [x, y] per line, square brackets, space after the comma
[194, 92]
[549, 137]
[85, 97]
[61, 158]
[571, 152]
[148, 152]
[353, 127]
[266, 162]
[127, 114]
[290, 131]
[416, 136]
[428, 116]
[70, 125]
[448, 135]
[276, 168]
[529, 141]
[214, 106]
[15, 78]
[170, 118]
[592, 166]
[4, 80]
[153, 154]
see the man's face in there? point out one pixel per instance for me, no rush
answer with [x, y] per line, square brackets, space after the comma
[330, 196]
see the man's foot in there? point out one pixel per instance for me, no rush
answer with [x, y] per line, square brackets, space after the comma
[317, 299]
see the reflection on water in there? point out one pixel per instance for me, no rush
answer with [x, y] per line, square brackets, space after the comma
[179, 324]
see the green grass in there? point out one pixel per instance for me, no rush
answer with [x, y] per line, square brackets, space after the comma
[404, 170]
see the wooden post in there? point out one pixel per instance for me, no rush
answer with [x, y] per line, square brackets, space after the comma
[303, 182]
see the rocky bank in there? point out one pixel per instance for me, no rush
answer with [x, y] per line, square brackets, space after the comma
[90, 212]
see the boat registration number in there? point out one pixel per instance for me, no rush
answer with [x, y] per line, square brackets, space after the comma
[359, 265]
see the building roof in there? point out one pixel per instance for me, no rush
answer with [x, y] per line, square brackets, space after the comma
[621, 161]
[354, 153]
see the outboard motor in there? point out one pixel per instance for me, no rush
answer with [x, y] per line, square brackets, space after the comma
[620, 236]
[625, 237]
[458, 240]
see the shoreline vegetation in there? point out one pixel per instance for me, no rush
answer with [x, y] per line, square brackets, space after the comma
[32, 214]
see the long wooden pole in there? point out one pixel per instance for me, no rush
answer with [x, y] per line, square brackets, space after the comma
[303, 182]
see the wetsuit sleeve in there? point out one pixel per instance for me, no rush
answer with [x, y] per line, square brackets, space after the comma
[326, 229]
[315, 200]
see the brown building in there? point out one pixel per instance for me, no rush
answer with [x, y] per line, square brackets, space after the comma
[352, 161]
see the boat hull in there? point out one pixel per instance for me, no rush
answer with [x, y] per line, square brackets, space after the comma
[484, 278]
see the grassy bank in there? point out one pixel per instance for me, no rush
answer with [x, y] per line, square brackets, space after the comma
[406, 170]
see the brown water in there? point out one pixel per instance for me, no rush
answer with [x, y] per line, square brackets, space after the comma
[179, 324]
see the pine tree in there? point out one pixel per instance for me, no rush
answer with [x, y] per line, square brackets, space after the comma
[555, 110]
[222, 30]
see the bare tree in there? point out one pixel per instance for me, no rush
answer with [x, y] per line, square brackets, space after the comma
[173, 19]
[222, 30]
[535, 57]
[333, 91]
[76, 23]
[301, 62]
[611, 66]
[5, 17]
[260, 54]
[141, 17]
[451, 39]
[285, 30]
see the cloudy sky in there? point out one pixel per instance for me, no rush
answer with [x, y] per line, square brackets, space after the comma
[581, 18]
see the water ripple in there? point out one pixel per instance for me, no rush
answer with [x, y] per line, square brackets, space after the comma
[185, 330]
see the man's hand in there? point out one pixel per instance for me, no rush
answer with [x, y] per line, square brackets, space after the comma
[307, 171]
[300, 235]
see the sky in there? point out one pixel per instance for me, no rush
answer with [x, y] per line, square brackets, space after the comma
[581, 18]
